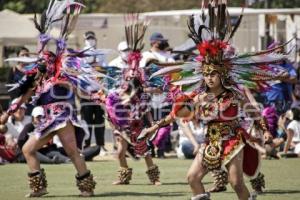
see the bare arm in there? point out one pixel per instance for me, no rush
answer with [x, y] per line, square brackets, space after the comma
[148, 132]
[290, 134]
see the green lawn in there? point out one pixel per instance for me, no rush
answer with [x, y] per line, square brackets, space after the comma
[282, 181]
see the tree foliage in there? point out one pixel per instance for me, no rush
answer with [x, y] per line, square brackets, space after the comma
[125, 6]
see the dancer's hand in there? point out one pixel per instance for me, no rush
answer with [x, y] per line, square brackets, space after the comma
[146, 133]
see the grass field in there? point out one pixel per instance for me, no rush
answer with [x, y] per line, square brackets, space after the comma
[283, 181]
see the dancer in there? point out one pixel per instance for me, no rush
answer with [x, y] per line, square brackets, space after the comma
[128, 106]
[50, 79]
[217, 98]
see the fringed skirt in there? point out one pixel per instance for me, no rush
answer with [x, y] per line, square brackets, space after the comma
[57, 115]
[130, 133]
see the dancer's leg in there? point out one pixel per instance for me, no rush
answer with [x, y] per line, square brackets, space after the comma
[37, 176]
[30, 149]
[195, 175]
[122, 146]
[68, 140]
[236, 178]
[153, 171]
[125, 173]
[85, 181]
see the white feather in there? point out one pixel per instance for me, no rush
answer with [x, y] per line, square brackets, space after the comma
[22, 59]
[188, 80]
[166, 70]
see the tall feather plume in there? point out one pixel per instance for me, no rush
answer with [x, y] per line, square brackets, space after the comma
[237, 25]
[223, 20]
[135, 30]
[193, 35]
[211, 14]
[74, 19]
[55, 13]
[218, 19]
[40, 26]
[65, 25]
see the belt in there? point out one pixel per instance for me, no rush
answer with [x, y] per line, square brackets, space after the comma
[221, 130]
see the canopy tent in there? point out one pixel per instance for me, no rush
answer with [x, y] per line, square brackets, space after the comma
[19, 30]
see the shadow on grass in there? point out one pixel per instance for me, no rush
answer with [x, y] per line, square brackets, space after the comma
[157, 194]
[184, 183]
[277, 191]
[282, 191]
[123, 194]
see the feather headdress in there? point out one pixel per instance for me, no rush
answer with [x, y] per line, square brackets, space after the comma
[65, 64]
[212, 32]
[135, 29]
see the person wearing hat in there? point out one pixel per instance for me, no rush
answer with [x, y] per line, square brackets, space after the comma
[158, 51]
[92, 113]
[160, 107]
[121, 60]
[90, 42]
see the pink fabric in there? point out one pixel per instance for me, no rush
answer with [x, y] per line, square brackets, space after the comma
[161, 137]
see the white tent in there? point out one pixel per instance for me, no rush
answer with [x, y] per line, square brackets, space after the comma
[19, 30]
[16, 29]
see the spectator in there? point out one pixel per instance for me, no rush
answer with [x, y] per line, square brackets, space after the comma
[293, 133]
[7, 146]
[16, 73]
[158, 51]
[121, 60]
[18, 120]
[296, 96]
[49, 153]
[92, 113]
[187, 146]
[87, 152]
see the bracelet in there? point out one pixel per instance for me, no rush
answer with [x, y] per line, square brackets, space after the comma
[160, 123]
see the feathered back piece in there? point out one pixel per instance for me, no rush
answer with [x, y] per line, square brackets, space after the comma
[65, 64]
[135, 30]
[212, 30]
[65, 11]
[212, 33]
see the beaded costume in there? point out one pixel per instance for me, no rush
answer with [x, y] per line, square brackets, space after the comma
[128, 105]
[212, 33]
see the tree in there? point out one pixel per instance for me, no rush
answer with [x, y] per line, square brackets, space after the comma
[125, 6]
